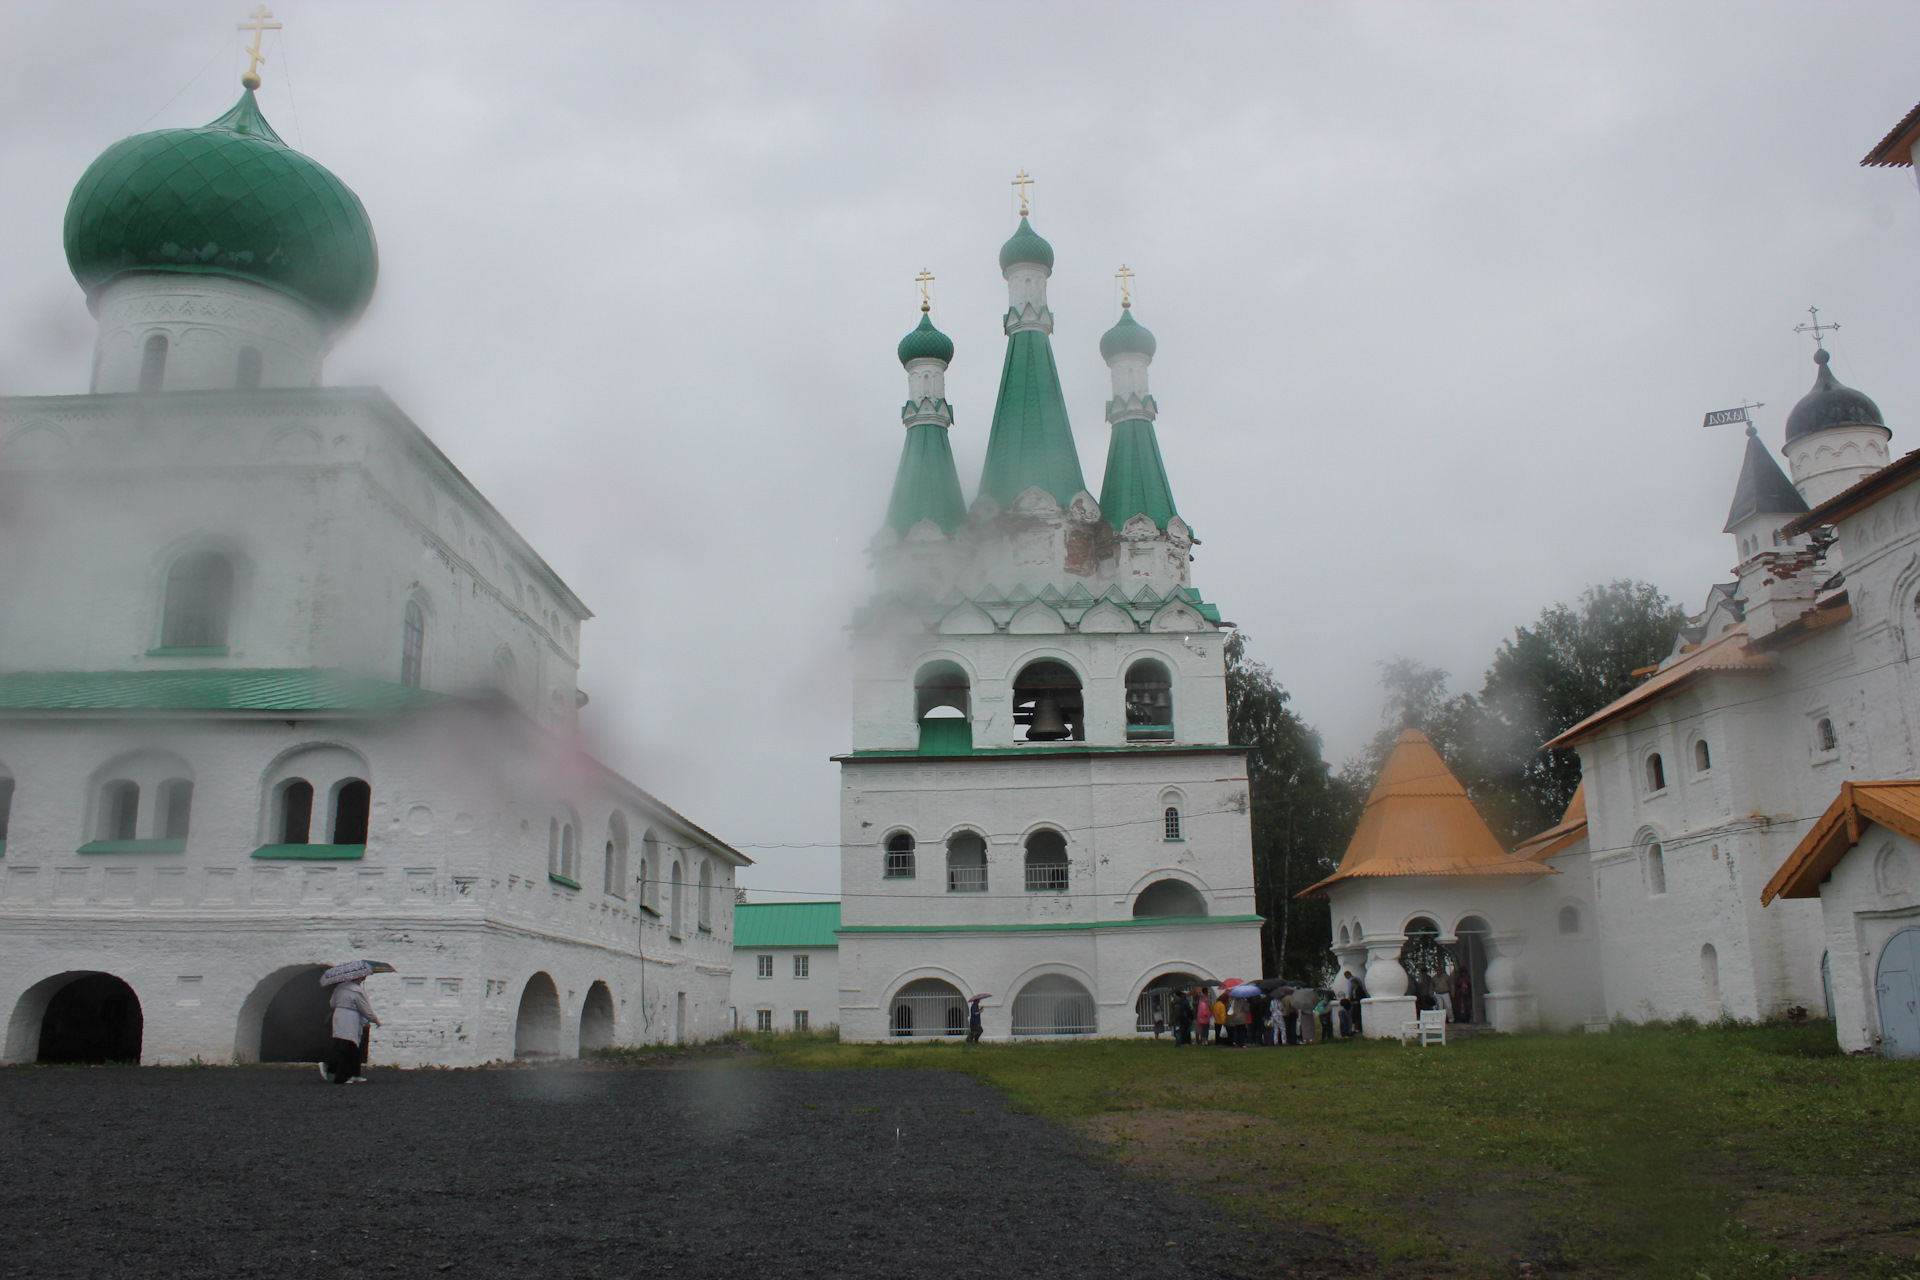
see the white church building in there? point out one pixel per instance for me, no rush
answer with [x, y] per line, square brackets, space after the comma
[279, 687]
[1041, 803]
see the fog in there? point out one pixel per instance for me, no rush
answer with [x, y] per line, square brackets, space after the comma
[1441, 294]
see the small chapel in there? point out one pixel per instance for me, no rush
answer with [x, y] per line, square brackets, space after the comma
[1041, 806]
[279, 687]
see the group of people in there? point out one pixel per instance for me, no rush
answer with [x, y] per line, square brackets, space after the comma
[1270, 1013]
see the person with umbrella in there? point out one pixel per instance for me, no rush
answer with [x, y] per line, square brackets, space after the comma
[973, 1015]
[352, 1014]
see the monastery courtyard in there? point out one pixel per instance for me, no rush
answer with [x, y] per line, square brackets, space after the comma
[1666, 1151]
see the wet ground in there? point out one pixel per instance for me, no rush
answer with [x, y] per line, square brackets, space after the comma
[568, 1170]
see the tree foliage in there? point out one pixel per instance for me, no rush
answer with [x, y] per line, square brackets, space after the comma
[1547, 678]
[1302, 814]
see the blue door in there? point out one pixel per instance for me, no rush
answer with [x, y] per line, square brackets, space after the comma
[1898, 984]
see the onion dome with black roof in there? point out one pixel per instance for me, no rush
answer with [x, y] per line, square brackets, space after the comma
[1831, 403]
[228, 199]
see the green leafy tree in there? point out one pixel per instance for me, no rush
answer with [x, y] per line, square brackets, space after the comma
[1302, 814]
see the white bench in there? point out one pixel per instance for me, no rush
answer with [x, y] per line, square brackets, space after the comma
[1431, 1028]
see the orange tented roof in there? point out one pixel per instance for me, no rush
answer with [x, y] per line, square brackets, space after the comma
[1895, 805]
[1572, 828]
[1725, 654]
[1419, 822]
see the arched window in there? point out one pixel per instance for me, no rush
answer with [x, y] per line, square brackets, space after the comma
[553, 846]
[1047, 704]
[1569, 919]
[153, 362]
[1149, 701]
[6, 807]
[1656, 868]
[1169, 898]
[616, 868]
[649, 868]
[247, 373]
[176, 809]
[352, 804]
[1046, 862]
[1829, 741]
[673, 903]
[706, 896]
[1053, 1005]
[1710, 978]
[119, 809]
[294, 812]
[928, 1007]
[967, 863]
[1344, 937]
[1702, 756]
[413, 644]
[199, 600]
[899, 856]
[1656, 773]
[569, 853]
[1172, 820]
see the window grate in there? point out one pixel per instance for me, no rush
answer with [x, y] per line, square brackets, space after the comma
[1046, 877]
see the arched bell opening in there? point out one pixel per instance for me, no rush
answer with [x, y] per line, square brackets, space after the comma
[941, 708]
[1149, 701]
[1048, 705]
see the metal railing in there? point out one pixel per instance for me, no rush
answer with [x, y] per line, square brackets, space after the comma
[1053, 1013]
[966, 879]
[928, 1016]
[1046, 877]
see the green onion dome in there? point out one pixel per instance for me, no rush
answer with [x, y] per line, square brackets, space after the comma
[1127, 337]
[231, 199]
[1026, 246]
[926, 343]
[1831, 403]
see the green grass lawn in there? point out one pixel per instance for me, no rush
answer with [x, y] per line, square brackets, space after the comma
[1724, 1152]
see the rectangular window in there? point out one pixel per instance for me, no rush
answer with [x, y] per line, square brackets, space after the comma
[800, 966]
[765, 966]
[799, 1019]
[763, 1021]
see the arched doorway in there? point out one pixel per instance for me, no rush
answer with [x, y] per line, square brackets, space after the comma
[93, 1018]
[1053, 1004]
[1897, 982]
[536, 1033]
[1470, 958]
[1428, 965]
[297, 1025]
[928, 1007]
[596, 1018]
[1152, 1003]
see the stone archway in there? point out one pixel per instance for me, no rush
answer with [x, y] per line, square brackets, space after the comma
[536, 1032]
[87, 1017]
[596, 1019]
[297, 1023]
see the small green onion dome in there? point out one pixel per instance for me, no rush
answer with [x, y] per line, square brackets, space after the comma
[1129, 336]
[926, 343]
[229, 198]
[1026, 246]
[1831, 403]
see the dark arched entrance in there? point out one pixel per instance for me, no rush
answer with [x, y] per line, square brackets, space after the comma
[1153, 1001]
[596, 1018]
[94, 1018]
[536, 1033]
[298, 1023]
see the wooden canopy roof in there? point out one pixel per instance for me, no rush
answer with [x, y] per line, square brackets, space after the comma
[1895, 805]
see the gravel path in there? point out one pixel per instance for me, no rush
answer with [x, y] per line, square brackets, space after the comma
[564, 1171]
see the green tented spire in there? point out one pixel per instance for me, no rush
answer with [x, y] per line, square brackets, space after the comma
[926, 486]
[1032, 442]
[1136, 479]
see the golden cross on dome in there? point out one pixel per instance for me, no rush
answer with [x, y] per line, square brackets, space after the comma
[259, 22]
[925, 281]
[1816, 328]
[1125, 276]
[1022, 181]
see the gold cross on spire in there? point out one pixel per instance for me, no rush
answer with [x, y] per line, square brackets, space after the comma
[1022, 181]
[259, 22]
[925, 281]
[1125, 276]
[1816, 328]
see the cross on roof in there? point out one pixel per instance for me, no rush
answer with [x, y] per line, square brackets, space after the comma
[1125, 276]
[925, 281]
[259, 22]
[1816, 328]
[1022, 181]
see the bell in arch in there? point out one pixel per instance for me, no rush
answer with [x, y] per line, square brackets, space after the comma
[1047, 724]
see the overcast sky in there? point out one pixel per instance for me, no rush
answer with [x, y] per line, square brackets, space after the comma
[1442, 293]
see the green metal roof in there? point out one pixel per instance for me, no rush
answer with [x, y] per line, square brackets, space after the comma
[1063, 926]
[1025, 245]
[927, 485]
[1136, 479]
[1126, 335]
[786, 924]
[223, 689]
[926, 343]
[1031, 443]
[229, 198]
